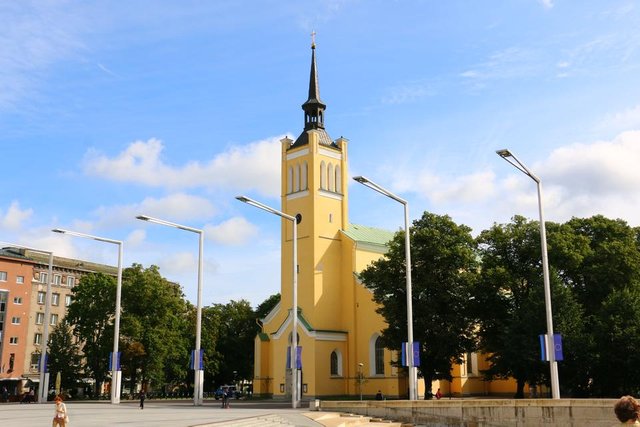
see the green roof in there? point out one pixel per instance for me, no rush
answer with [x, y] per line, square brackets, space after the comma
[371, 235]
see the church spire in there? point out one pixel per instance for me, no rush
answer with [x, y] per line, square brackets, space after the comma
[313, 107]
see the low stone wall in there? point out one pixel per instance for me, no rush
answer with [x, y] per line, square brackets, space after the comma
[483, 412]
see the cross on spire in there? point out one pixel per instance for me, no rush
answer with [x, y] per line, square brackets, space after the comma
[313, 39]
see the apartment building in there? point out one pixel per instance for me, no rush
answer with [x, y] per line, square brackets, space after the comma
[23, 288]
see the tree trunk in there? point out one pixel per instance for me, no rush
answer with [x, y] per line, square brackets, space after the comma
[520, 389]
[428, 395]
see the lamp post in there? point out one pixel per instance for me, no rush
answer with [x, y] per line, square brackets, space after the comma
[294, 328]
[198, 371]
[360, 378]
[515, 162]
[44, 378]
[413, 373]
[116, 373]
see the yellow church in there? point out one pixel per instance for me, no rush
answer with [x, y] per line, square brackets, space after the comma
[338, 328]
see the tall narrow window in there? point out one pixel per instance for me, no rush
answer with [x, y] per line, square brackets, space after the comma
[334, 363]
[338, 180]
[323, 175]
[42, 297]
[305, 180]
[55, 298]
[332, 183]
[39, 318]
[57, 279]
[290, 180]
[54, 319]
[3, 276]
[379, 356]
[67, 300]
[43, 277]
[71, 281]
[296, 178]
[37, 339]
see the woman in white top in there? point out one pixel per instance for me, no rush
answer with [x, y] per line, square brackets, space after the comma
[60, 418]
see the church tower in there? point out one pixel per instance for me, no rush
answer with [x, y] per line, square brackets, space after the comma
[338, 327]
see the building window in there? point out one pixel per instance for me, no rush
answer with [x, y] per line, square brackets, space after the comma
[379, 357]
[55, 299]
[39, 318]
[15, 320]
[17, 300]
[290, 180]
[54, 319]
[35, 361]
[57, 279]
[43, 277]
[13, 340]
[67, 300]
[323, 175]
[3, 276]
[304, 185]
[42, 297]
[296, 178]
[20, 279]
[71, 281]
[37, 339]
[336, 363]
[12, 360]
[338, 180]
[331, 184]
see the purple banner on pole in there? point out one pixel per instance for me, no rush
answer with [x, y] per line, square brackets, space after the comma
[415, 353]
[298, 357]
[543, 347]
[118, 368]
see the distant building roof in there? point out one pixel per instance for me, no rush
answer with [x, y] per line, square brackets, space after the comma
[370, 235]
[60, 262]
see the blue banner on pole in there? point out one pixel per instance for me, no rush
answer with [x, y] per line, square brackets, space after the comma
[298, 357]
[557, 347]
[415, 353]
[200, 360]
[118, 368]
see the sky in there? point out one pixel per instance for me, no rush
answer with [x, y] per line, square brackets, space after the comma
[170, 109]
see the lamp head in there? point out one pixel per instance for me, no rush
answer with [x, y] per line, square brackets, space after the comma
[242, 199]
[504, 153]
[361, 179]
[58, 230]
[143, 217]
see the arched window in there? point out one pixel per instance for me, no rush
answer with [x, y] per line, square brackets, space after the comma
[334, 363]
[332, 178]
[296, 178]
[304, 185]
[323, 175]
[290, 180]
[338, 180]
[379, 357]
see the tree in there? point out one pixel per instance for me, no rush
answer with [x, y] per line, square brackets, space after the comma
[64, 356]
[510, 303]
[444, 268]
[91, 316]
[235, 341]
[154, 316]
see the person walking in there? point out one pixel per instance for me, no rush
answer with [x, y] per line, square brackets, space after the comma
[143, 396]
[60, 416]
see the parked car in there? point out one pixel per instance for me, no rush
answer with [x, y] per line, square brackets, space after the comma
[230, 389]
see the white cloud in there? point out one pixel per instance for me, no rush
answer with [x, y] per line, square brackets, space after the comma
[234, 231]
[136, 237]
[407, 92]
[14, 217]
[441, 190]
[174, 207]
[252, 166]
[627, 119]
[548, 4]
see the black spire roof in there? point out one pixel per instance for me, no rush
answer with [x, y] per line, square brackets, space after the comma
[313, 108]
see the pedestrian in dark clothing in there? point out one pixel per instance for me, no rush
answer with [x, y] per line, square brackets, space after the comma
[142, 397]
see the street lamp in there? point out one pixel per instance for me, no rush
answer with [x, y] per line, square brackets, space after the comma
[198, 371]
[44, 378]
[413, 373]
[360, 378]
[294, 328]
[116, 373]
[515, 162]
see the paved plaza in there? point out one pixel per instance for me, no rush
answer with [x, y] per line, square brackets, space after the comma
[158, 413]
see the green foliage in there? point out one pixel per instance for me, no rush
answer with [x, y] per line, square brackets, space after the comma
[64, 356]
[444, 269]
[91, 316]
[153, 318]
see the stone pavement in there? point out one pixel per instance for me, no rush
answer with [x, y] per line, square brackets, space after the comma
[159, 413]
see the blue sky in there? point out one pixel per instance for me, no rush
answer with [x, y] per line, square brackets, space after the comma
[113, 109]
